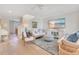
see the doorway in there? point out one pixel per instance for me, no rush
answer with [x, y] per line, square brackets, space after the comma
[13, 26]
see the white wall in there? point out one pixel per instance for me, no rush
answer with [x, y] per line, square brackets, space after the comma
[71, 22]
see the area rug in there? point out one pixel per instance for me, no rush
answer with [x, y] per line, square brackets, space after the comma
[50, 47]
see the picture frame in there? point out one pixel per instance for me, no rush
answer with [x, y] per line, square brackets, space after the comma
[34, 24]
[58, 23]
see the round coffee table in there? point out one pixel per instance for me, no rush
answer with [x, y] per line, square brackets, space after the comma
[48, 39]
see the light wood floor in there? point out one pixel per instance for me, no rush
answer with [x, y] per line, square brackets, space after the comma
[16, 47]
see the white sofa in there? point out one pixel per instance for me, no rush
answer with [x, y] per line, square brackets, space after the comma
[38, 33]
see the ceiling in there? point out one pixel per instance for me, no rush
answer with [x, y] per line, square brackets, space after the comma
[37, 10]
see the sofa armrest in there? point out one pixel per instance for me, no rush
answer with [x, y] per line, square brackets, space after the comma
[59, 41]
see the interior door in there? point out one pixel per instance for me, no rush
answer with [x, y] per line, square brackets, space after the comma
[13, 26]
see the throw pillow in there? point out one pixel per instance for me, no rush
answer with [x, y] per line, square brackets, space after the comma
[73, 37]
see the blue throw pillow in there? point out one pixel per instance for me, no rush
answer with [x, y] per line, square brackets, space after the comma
[73, 37]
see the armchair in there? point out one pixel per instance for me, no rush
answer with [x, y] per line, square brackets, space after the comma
[27, 38]
[68, 48]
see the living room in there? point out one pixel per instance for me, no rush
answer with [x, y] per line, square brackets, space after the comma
[40, 24]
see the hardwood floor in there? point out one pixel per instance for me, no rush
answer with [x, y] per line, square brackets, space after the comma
[16, 47]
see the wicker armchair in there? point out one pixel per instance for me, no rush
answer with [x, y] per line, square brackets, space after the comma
[68, 48]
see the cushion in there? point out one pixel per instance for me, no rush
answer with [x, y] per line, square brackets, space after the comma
[28, 34]
[71, 44]
[73, 38]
